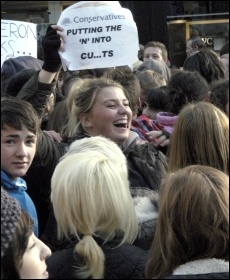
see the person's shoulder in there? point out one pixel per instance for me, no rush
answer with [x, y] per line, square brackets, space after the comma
[146, 154]
[60, 265]
[147, 148]
[126, 250]
[125, 262]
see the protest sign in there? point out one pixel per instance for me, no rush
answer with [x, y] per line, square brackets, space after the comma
[18, 38]
[98, 34]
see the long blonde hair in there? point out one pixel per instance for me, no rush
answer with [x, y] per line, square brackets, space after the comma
[91, 198]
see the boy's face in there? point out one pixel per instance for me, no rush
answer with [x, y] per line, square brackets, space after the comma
[18, 148]
[153, 53]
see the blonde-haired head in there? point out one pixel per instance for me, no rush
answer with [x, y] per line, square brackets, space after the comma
[91, 198]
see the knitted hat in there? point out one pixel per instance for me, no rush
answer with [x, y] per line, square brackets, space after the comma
[10, 214]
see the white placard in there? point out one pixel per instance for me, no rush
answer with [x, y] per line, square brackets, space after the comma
[98, 34]
[18, 38]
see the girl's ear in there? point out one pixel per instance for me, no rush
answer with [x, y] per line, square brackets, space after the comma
[85, 120]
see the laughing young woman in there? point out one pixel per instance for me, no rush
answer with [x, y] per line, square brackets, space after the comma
[101, 108]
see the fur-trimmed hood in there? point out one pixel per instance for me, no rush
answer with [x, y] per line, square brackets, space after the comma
[146, 208]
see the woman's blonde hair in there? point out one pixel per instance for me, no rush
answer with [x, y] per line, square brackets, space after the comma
[200, 136]
[74, 85]
[91, 198]
[193, 220]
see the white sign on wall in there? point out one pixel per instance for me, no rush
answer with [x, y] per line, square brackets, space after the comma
[18, 38]
[98, 34]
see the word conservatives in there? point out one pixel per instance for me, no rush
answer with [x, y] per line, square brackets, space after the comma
[98, 18]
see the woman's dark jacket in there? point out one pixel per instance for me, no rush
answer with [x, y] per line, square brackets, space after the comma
[124, 262]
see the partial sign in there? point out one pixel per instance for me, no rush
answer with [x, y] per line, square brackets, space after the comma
[18, 38]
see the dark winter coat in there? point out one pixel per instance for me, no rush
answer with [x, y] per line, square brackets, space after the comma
[124, 262]
[146, 165]
[36, 93]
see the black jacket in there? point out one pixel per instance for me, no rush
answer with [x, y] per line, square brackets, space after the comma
[124, 262]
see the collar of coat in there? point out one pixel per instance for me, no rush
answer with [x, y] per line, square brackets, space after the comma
[202, 266]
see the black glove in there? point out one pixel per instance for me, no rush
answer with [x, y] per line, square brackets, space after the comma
[50, 44]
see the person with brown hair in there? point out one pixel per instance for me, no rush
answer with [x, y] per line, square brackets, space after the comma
[149, 79]
[23, 255]
[19, 135]
[200, 136]
[156, 101]
[157, 66]
[155, 50]
[192, 233]
[207, 63]
[186, 87]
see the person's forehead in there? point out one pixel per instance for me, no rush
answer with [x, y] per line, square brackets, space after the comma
[11, 132]
[110, 92]
[153, 50]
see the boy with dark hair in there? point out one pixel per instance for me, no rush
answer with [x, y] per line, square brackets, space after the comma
[19, 131]
[155, 50]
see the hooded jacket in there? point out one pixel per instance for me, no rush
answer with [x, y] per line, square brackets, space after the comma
[17, 190]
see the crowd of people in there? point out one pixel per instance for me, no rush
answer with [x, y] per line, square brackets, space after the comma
[115, 173]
